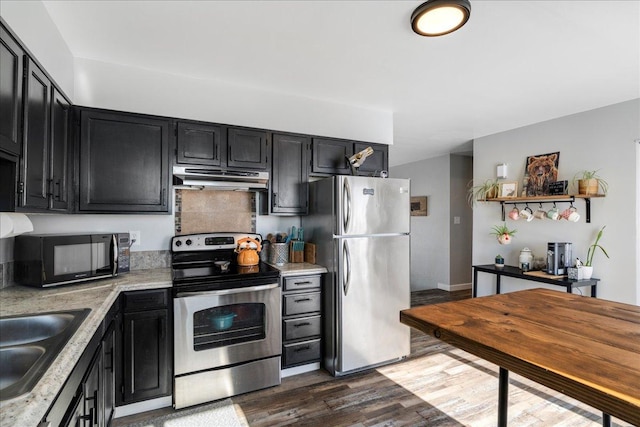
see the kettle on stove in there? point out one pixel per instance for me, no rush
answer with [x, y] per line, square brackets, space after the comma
[247, 254]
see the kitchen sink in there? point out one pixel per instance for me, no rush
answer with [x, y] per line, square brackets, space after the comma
[29, 344]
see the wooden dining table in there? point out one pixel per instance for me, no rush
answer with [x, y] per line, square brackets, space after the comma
[585, 348]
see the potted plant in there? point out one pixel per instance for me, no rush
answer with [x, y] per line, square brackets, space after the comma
[588, 265]
[484, 191]
[499, 261]
[589, 182]
[503, 233]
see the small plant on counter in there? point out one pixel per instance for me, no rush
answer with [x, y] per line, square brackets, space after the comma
[592, 249]
[503, 233]
[499, 261]
[589, 182]
[487, 190]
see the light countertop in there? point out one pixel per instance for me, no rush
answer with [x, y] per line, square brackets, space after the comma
[99, 296]
[299, 269]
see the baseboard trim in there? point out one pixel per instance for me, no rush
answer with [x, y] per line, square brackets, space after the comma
[299, 369]
[453, 288]
[144, 406]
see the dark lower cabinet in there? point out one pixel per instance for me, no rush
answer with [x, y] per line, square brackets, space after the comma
[247, 148]
[301, 320]
[11, 57]
[124, 162]
[108, 374]
[290, 175]
[146, 363]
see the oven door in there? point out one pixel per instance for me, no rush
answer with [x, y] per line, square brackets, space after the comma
[218, 328]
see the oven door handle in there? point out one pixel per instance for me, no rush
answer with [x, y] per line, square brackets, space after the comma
[228, 291]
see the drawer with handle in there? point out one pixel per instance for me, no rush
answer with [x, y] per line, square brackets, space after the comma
[301, 352]
[301, 327]
[301, 282]
[307, 302]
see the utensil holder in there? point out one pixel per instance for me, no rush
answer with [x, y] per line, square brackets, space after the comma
[279, 253]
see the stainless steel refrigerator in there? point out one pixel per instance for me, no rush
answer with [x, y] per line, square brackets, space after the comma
[361, 227]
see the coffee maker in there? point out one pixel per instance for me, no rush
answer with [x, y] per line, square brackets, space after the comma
[558, 258]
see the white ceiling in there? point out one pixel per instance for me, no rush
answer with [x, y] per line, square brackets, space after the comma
[513, 64]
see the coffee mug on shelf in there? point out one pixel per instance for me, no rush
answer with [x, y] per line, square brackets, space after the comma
[514, 214]
[540, 214]
[571, 214]
[553, 213]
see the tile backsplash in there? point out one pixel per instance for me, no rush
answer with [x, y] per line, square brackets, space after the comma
[203, 211]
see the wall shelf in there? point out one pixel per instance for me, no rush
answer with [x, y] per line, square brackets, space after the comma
[548, 199]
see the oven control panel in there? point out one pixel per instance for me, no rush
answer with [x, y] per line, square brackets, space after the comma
[209, 241]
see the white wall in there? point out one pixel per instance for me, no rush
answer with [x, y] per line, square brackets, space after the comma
[461, 233]
[33, 25]
[119, 87]
[598, 139]
[430, 237]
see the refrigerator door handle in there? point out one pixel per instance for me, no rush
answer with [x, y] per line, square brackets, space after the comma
[346, 271]
[346, 205]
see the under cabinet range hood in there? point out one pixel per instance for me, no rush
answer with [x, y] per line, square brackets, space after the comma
[199, 177]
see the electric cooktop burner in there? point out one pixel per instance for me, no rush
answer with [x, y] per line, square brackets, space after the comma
[198, 259]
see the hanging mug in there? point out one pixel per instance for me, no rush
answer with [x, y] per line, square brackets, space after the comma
[514, 214]
[527, 214]
[553, 213]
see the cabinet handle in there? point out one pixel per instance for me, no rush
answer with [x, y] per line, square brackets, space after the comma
[305, 348]
[297, 325]
[302, 283]
[49, 187]
[275, 199]
[58, 186]
[302, 300]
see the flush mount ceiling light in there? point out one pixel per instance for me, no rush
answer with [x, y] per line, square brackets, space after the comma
[439, 17]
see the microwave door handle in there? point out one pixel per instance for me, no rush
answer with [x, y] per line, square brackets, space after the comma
[114, 270]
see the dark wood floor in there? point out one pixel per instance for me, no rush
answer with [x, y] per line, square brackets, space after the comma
[437, 385]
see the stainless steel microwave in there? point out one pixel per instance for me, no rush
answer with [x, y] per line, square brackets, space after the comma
[45, 260]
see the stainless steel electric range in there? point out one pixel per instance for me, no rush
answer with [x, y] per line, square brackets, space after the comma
[227, 320]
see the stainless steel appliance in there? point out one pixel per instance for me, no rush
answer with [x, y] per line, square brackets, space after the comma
[361, 228]
[201, 176]
[558, 258]
[227, 320]
[124, 254]
[45, 260]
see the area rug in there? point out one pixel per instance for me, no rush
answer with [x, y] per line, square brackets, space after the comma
[217, 414]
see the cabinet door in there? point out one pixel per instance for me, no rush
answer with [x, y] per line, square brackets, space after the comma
[147, 372]
[247, 148]
[92, 398]
[108, 374]
[11, 55]
[124, 162]
[330, 156]
[59, 165]
[200, 144]
[35, 149]
[290, 176]
[376, 162]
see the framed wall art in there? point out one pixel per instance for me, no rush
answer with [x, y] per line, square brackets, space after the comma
[419, 206]
[508, 189]
[540, 171]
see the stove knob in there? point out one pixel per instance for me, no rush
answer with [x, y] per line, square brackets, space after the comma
[189, 242]
[178, 243]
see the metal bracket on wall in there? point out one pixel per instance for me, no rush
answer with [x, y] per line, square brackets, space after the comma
[547, 199]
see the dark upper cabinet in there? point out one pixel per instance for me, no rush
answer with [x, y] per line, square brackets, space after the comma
[376, 162]
[200, 144]
[33, 185]
[247, 148]
[330, 156]
[124, 162]
[59, 152]
[11, 55]
[290, 175]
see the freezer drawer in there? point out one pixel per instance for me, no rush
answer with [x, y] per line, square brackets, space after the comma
[301, 282]
[301, 352]
[301, 327]
[307, 302]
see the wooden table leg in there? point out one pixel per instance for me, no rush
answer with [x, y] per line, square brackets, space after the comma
[503, 397]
